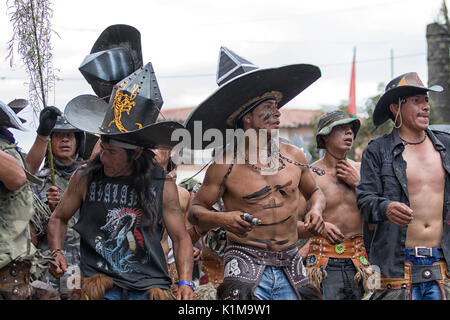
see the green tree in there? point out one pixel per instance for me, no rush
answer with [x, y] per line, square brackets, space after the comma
[368, 131]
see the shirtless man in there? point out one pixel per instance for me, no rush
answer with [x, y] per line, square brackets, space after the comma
[259, 181]
[272, 199]
[404, 189]
[332, 263]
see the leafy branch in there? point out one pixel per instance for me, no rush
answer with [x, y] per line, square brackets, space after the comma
[32, 33]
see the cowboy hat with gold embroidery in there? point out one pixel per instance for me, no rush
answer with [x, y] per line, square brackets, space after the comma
[403, 86]
[130, 116]
[243, 87]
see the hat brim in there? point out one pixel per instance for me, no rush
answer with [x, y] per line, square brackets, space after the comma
[382, 111]
[18, 104]
[327, 130]
[216, 110]
[9, 118]
[87, 113]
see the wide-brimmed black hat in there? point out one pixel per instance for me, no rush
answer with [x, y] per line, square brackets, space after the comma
[8, 114]
[116, 54]
[332, 119]
[243, 92]
[403, 86]
[130, 116]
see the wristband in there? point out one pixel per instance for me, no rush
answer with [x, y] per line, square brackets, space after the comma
[187, 283]
[55, 252]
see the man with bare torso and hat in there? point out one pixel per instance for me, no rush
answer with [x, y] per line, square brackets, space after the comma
[124, 199]
[404, 190]
[336, 261]
[261, 259]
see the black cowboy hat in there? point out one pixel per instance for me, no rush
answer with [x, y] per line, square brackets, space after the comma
[18, 105]
[116, 54]
[8, 114]
[130, 116]
[237, 96]
[403, 86]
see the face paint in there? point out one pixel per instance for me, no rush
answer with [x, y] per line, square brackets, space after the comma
[264, 191]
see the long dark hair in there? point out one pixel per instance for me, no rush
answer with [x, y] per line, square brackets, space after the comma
[143, 174]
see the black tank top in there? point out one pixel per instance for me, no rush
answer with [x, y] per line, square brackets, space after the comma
[116, 239]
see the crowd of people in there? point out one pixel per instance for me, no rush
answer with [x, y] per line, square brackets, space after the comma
[92, 211]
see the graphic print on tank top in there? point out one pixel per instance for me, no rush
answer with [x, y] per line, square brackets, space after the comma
[118, 237]
[123, 239]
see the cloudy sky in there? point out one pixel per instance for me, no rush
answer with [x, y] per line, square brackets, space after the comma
[182, 40]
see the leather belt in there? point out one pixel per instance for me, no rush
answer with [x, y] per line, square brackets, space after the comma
[417, 274]
[424, 252]
[320, 250]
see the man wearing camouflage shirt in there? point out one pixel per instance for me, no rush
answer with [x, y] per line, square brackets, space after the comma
[17, 253]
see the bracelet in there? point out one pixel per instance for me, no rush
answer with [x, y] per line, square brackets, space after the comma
[55, 252]
[187, 283]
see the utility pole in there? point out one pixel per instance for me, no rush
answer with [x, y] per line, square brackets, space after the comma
[392, 63]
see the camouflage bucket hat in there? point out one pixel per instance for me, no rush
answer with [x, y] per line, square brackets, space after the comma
[330, 120]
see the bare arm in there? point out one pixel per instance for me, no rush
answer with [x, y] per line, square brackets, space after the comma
[37, 153]
[182, 245]
[11, 172]
[315, 197]
[57, 226]
[47, 121]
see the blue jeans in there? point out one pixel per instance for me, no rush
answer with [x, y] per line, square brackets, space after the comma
[274, 285]
[116, 293]
[424, 290]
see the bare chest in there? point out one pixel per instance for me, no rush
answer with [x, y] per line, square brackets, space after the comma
[336, 191]
[250, 186]
[424, 168]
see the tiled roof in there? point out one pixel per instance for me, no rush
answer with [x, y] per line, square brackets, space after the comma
[290, 118]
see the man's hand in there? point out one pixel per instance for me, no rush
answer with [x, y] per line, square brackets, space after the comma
[47, 120]
[304, 251]
[59, 266]
[347, 173]
[185, 292]
[53, 197]
[332, 233]
[314, 223]
[172, 175]
[197, 254]
[233, 223]
[399, 213]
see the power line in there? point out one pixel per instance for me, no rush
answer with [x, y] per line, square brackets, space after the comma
[203, 75]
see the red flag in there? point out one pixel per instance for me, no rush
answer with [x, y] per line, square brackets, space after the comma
[352, 97]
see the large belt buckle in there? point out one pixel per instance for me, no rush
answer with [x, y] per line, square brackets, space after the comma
[418, 255]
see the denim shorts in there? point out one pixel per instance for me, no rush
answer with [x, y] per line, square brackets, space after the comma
[274, 285]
